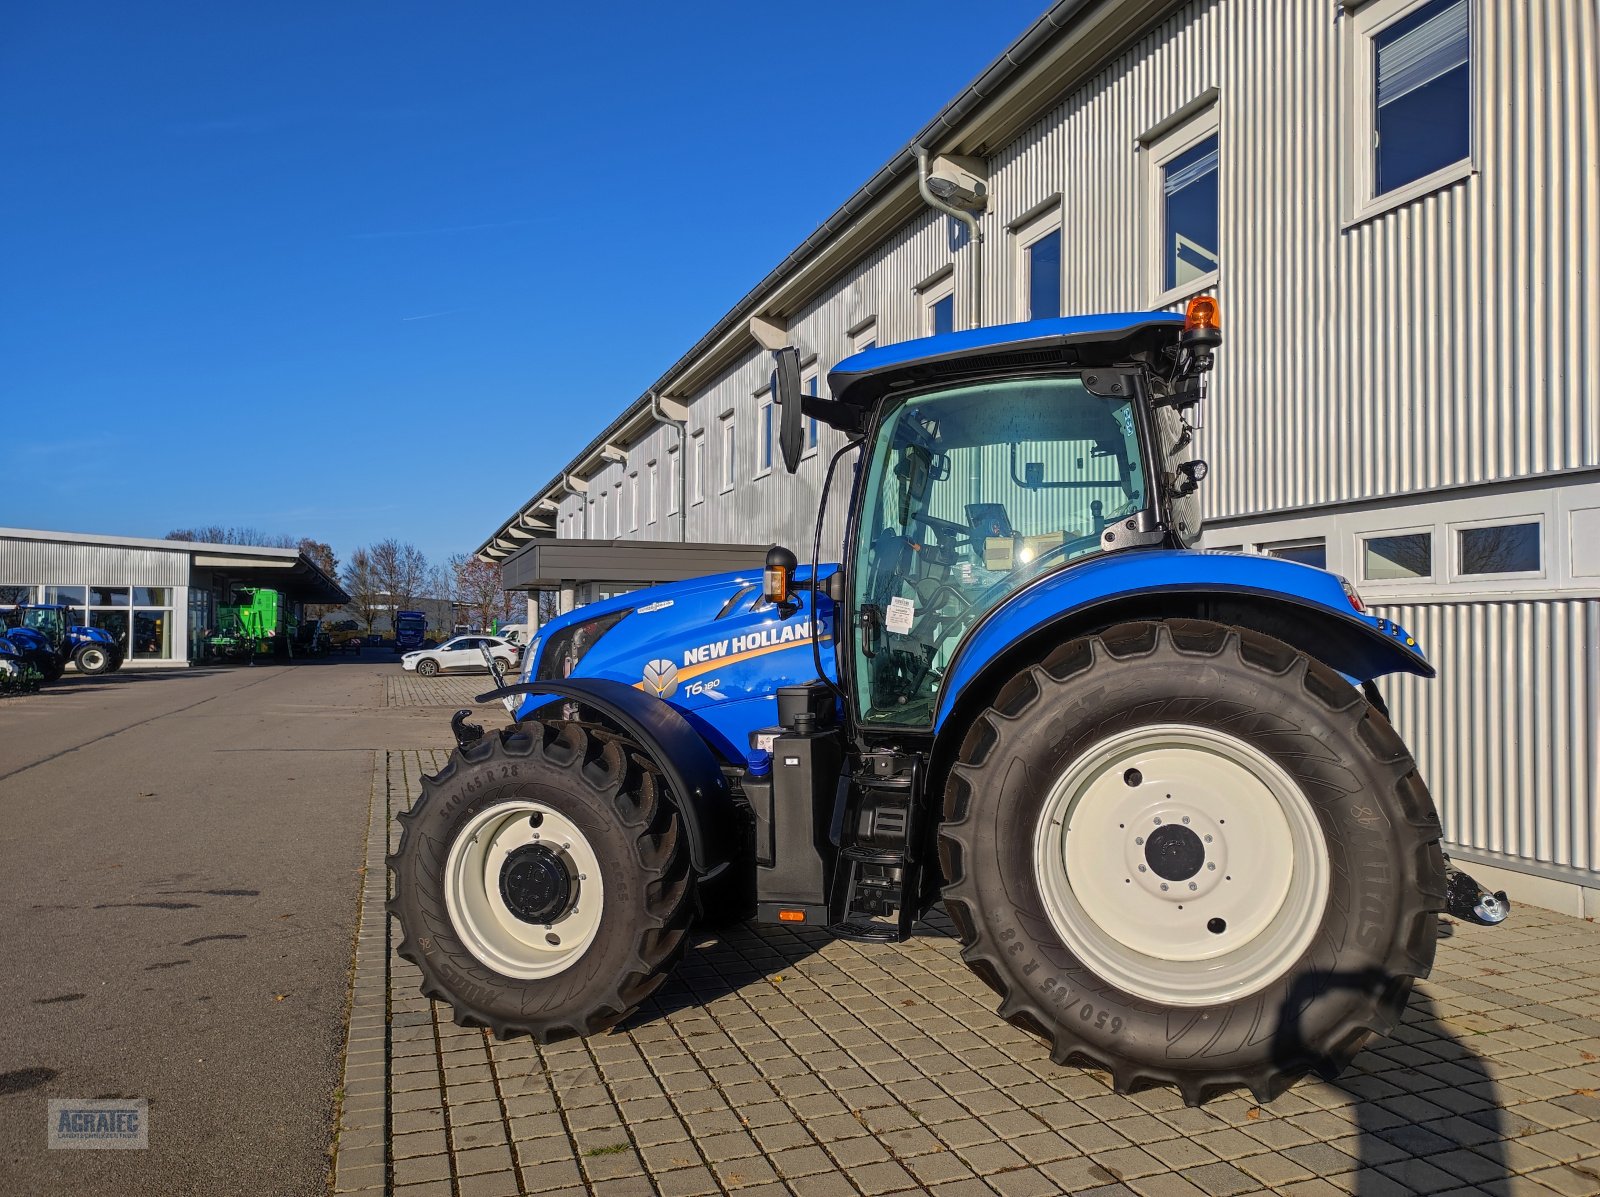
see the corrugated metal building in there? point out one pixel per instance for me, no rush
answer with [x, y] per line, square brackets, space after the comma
[1397, 204]
[157, 597]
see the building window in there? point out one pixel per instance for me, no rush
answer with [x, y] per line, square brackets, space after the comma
[938, 299]
[672, 482]
[1306, 552]
[727, 453]
[632, 485]
[1404, 556]
[763, 434]
[654, 479]
[1038, 246]
[1499, 549]
[1182, 202]
[865, 337]
[1411, 104]
[697, 468]
[809, 384]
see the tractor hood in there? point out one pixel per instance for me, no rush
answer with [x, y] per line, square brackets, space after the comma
[712, 647]
[1114, 339]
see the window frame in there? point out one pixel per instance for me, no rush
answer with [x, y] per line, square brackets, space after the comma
[1361, 114]
[1454, 528]
[766, 432]
[1024, 235]
[811, 384]
[1430, 530]
[864, 336]
[697, 467]
[630, 485]
[1263, 548]
[938, 288]
[651, 507]
[728, 443]
[1176, 137]
[673, 466]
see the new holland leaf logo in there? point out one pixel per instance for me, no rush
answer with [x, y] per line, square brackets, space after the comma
[661, 678]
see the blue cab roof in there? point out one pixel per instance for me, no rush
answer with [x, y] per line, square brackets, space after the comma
[1103, 339]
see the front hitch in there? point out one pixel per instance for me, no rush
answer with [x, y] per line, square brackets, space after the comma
[1470, 902]
[466, 734]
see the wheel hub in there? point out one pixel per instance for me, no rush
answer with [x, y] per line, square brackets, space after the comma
[1173, 852]
[534, 884]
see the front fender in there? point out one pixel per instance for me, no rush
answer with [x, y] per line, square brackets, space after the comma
[1307, 606]
[710, 823]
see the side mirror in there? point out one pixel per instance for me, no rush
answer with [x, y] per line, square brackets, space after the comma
[786, 392]
[777, 578]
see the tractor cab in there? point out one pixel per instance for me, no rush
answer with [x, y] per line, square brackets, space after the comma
[994, 457]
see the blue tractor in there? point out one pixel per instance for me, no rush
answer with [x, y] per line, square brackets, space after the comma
[92, 650]
[1155, 788]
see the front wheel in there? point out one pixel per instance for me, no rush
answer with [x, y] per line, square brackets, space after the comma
[427, 667]
[92, 659]
[1190, 855]
[542, 882]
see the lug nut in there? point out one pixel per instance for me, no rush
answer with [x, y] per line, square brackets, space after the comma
[1192, 885]
[1185, 818]
[1164, 887]
[1212, 865]
[1142, 869]
[1138, 839]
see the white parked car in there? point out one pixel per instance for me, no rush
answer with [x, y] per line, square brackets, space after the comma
[462, 654]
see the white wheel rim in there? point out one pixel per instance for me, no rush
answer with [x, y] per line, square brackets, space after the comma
[1129, 907]
[487, 926]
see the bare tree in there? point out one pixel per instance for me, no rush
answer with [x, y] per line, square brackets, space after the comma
[360, 582]
[401, 572]
[217, 534]
[479, 586]
[549, 605]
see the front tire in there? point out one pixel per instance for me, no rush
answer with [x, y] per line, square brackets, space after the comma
[428, 667]
[542, 882]
[91, 659]
[1190, 855]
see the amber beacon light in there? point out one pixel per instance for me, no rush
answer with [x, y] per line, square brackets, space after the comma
[1202, 313]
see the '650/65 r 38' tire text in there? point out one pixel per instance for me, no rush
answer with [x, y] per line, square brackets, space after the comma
[1189, 855]
[542, 882]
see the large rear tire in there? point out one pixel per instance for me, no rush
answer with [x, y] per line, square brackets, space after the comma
[542, 882]
[1189, 855]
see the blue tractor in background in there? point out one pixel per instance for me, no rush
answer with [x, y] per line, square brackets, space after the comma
[45, 633]
[1155, 788]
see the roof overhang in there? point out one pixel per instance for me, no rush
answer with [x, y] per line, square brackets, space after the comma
[551, 564]
[295, 574]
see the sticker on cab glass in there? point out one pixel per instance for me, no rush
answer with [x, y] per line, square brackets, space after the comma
[898, 616]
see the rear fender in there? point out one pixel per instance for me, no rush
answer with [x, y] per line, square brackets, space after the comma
[1305, 607]
[695, 779]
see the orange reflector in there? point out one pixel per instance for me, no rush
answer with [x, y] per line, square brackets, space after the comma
[776, 584]
[791, 916]
[1202, 313]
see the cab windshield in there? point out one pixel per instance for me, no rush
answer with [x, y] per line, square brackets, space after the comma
[971, 493]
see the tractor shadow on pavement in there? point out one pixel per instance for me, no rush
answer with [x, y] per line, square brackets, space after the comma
[1428, 1113]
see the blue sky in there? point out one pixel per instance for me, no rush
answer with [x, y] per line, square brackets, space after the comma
[361, 270]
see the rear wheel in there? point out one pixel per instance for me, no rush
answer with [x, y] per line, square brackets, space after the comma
[427, 667]
[542, 882]
[1189, 855]
[92, 659]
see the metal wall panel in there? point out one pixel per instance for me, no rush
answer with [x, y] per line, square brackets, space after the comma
[1507, 737]
[64, 563]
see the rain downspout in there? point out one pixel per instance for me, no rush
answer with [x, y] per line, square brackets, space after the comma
[975, 298]
[683, 462]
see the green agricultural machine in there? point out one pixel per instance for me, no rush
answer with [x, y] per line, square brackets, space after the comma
[261, 624]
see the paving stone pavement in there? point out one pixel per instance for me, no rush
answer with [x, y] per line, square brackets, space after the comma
[784, 1062]
[404, 688]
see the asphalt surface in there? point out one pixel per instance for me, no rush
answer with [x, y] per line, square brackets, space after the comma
[180, 859]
